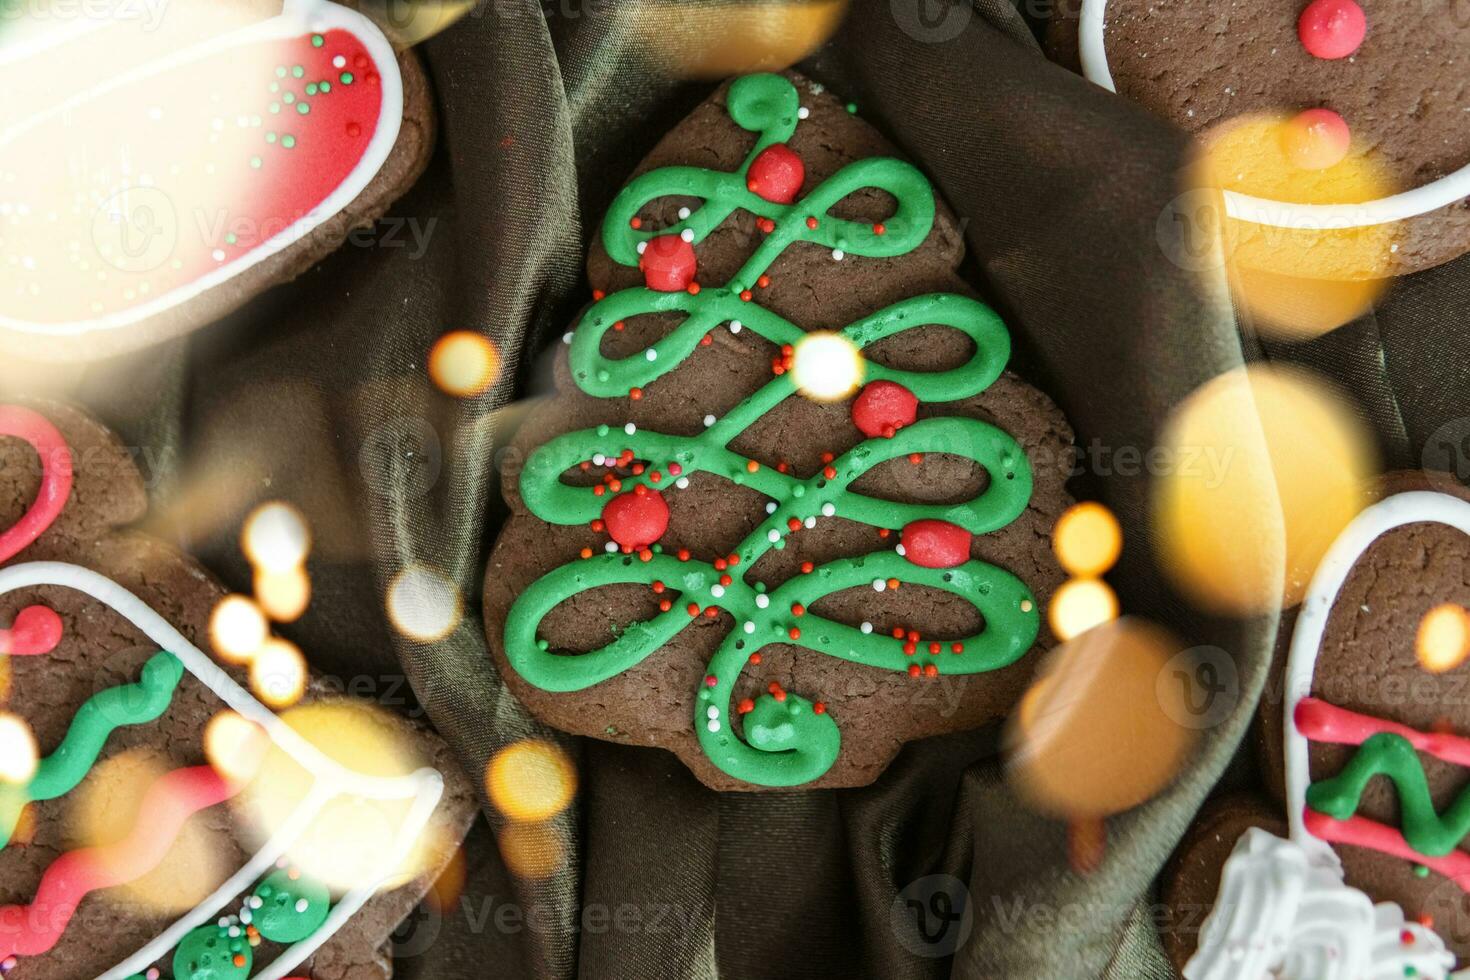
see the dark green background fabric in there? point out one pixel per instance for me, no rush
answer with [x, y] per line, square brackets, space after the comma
[316, 393]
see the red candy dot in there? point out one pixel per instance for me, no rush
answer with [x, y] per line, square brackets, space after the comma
[668, 264]
[776, 174]
[884, 407]
[636, 520]
[1331, 29]
[36, 630]
[935, 544]
[1316, 139]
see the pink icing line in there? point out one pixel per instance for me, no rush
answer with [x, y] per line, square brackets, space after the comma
[1362, 832]
[36, 630]
[56, 475]
[29, 930]
[1323, 722]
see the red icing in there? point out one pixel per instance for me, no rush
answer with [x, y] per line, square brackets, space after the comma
[935, 544]
[636, 519]
[1316, 139]
[884, 407]
[205, 205]
[668, 264]
[173, 799]
[776, 174]
[56, 475]
[1362, 832]
[1332, 29]
[1323, 722]
[36, 630]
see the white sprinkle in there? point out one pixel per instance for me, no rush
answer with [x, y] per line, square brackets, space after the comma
[245, 916]
[809, 522]
[255, 901]
[879, 585]
[828, 509]
[610, 547]
[224, 922]
[218, 254]
[709, 420]
[773, 535]
[598, 459]
[687, 235]
[630, 428]
[717, 591]
[899, 549]
[642, 247]
[651, 354]
[866, 627]
[762, 600]
[339, 62]
[682, 483]
[749, 626]
[235, 930]
[713, 726]
[735, 326]
[838, 254]
[683, 213]
[302, 905]
[803, 112]
[566, 338]
[770, 507]
[712, 712]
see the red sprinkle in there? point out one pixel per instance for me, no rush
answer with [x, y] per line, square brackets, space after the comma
[930, 670]
[692, 609]
[710, 680]
[818, 708]
[913, 670]
[797, 609]
[794, 633]
[806, 567]
[745, 707]
[635, 222]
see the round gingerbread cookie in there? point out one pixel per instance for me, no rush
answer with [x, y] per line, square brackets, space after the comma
[1372, 174]
[780, 516]
[104, 654]
[188, 160]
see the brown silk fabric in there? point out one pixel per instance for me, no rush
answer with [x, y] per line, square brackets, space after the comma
[316, 393]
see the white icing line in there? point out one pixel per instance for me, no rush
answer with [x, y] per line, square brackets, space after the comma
[424, 787]
[298, 17]
[1451, 189]
[1311, 623]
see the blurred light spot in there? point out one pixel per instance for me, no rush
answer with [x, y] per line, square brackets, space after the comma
[445, 893]
[1268, 466]
[275, 537]
[423, 604]
[345, 844]
[531, 781]
[826, 367]
[411, 22]
[532, 850]
[278, 673]
[463, 363]
[1079, 605]
[1320, 276]
[1087, 539]
[1087, 842]
[284, 595]
[730, 39]
[1443, 641]
[1092, 737]
[107, 807]
[234, 746]
[237, 629]
[18, 752]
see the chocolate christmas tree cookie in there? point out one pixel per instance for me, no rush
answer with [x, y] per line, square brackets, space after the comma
[176, 169]
[786, 509]
[1375, 163]
[162, 827]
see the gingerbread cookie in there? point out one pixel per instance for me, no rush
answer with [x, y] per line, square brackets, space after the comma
[105, 661]
[209, 158]
[780, 516]
[1374, 167]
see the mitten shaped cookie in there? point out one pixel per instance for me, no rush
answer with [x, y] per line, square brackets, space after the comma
[786, 509]
[213, 869]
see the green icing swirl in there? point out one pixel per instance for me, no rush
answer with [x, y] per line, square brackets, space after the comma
[1394, 756]
[96, 720]
[786, 742]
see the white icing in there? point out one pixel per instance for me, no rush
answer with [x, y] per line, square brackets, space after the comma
[298, 17]
[1311, 623]
[331, 779]
[1284, 912]
[1432, 196]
